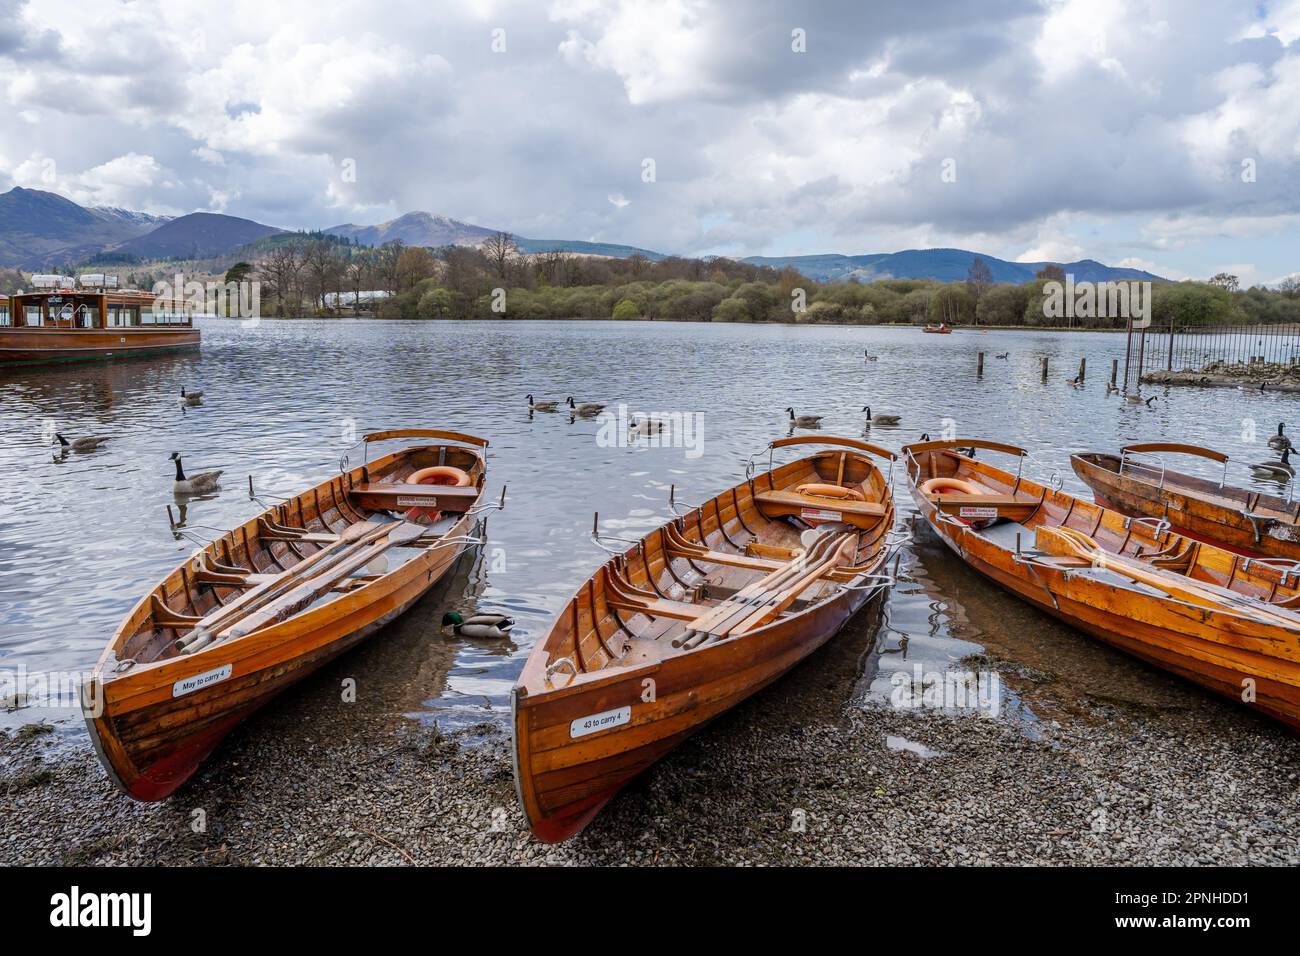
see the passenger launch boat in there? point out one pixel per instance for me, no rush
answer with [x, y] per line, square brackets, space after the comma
[267, 603]
[1136, 482]
[69, 320]
[1228, 622]
[693, 618]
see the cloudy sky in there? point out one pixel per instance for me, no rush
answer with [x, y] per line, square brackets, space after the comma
[1158, 133]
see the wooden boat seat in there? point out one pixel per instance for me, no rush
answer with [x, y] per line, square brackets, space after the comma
[860, 514]
[398, 497]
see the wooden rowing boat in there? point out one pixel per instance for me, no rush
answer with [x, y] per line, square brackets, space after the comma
[267, 603]
[1136, 482]
[1228, 622]
[690, 620]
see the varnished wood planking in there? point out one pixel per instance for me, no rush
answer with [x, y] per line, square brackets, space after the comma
[144, 725]
[562, 779]
[1215, 649]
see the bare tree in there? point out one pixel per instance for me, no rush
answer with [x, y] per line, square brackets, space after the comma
[500, 249]
[282, 268]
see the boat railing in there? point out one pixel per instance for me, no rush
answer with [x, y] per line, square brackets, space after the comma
[856, 444]
[1143, 457]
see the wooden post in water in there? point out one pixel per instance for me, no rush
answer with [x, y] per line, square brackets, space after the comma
[1114, 371]
[979, 367]
[1044, 368]
[1083, 368]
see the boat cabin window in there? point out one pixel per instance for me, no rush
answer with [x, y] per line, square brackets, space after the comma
[4, 313]
[123, 315]
[32, 315]
[88, 317]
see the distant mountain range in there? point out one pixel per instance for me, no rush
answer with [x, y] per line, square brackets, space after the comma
[945, 265]
[40, 230]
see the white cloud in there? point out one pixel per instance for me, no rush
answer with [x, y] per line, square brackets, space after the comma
[1074, 126]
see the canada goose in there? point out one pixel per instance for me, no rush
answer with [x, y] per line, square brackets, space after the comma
[586, 408]
[644, 425]
[1263, 386]
[542, 406]
[207, 481]
[881, 419]
[1074, 382]
[191, 398]
[1280, 470]
[1279, 441]
[478, 625]
[1111, 387]
[1003, 355]
[81, 444]
[803, 421]
[869, 357]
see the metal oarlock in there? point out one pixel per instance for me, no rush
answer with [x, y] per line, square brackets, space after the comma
[258, 498]
[552, 667]
[491, 506]
[596, 537]
[672, 502]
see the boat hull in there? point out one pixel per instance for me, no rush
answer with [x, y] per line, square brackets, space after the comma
[1188, 505]
[573, 779]
[1257, 666]
[45, 346]
[154, 724]
[577, 744]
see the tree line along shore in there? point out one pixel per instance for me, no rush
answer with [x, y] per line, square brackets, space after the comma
[318, 275]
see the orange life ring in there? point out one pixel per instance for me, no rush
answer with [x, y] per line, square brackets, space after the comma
[937, 486]
[831, 491]
[437, 475]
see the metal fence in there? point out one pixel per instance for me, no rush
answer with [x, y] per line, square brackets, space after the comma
[1193, 348]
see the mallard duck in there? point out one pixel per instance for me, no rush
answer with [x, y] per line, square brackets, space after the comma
[803, 421]
[199, 484]
[644, 425]
[191, 398]
[1279, 441]
[478, 625]
[881, 419]
[586, 408]
[542, 406]
[1280, 470]
[81, 444]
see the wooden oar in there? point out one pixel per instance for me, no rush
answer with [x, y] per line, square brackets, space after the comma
[355, 536]
[742, 603]
[733, 605]
[1072, 543]
[787, 597]
[290, 604]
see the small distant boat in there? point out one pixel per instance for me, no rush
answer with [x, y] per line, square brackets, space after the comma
[693, 618]
[269, 602]
[1136, 482]
[69, 319]
[939, 329]
[1224, 621]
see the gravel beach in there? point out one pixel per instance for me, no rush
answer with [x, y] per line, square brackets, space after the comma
[810, 771]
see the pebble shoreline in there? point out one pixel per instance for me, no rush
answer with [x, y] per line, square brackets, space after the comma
[1112, 784]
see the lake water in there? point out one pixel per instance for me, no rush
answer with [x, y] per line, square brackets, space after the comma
[82, 536]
